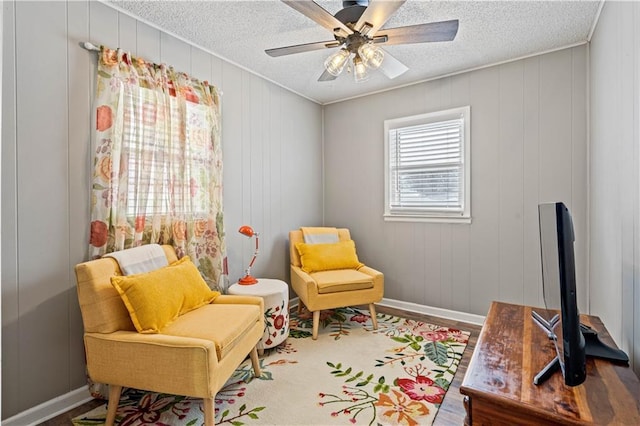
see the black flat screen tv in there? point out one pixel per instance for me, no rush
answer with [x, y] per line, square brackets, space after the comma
[573, 341]
[559, 288]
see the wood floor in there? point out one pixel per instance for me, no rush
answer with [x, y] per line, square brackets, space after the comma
[451, 411]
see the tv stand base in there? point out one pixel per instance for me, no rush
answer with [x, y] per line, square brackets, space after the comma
[594, 347]
[547, 371]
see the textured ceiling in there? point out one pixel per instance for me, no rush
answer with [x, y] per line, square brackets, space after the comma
[489, 33]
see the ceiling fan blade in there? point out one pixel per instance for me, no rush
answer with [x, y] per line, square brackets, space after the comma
[316, 13]
[421, 33]
[299, 48]
[377, 13]
[391, 67]
[327, 76]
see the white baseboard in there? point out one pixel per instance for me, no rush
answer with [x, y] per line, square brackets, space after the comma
[436, 312]
[68, 401]
[423, 309]
[49, 409]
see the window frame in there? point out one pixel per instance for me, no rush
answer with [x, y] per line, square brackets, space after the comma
[431, 215]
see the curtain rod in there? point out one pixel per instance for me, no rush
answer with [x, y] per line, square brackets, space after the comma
[90, 46]
[93, 48]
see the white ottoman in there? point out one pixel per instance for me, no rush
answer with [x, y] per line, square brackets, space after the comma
[275, 294]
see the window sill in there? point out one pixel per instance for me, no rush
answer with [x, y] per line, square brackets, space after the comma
[427, 219]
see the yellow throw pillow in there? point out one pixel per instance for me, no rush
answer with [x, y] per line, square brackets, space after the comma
[155, 299]
[325, 257]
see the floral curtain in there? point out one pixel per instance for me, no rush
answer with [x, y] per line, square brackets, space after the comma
[157, 171]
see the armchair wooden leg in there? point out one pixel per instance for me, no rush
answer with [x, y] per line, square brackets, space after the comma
[255, 362]
[209, 412]
[300, 306]
[316, 322]
[372, 312]
[112, 407]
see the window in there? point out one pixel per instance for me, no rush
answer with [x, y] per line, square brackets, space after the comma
[153, 188]
[427, 171]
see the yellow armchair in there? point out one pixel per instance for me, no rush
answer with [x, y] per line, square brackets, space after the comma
[194, 355]
[329, 289]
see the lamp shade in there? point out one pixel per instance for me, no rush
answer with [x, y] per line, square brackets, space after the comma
[246, 230]
[371, 55]
[335, 63]
[359, 70]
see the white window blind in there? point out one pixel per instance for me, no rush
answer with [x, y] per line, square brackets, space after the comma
[152, 141]
[427, 166]
[147, 152]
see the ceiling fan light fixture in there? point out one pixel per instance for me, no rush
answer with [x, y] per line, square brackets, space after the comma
[360, 73]
[358, 28]
[371, 55]
[335, 63]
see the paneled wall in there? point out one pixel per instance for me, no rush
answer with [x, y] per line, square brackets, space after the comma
[272, 176]
[615, 174]
[528, 145]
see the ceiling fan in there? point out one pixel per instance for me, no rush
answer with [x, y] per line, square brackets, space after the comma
[357, 31]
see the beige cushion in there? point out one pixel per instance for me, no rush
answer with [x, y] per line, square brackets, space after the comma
[237, 320]
[341, 280]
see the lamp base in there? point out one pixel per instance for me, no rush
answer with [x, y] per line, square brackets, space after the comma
[247, 280]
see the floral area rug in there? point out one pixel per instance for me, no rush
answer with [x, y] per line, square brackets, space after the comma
[351, 374]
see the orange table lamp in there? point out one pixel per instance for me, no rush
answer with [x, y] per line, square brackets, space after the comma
[248, 279]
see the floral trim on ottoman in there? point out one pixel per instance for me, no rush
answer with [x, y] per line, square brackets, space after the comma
[276, 319]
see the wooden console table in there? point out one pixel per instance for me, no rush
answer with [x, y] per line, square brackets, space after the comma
[512, 349]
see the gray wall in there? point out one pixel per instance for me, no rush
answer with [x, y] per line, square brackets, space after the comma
[272, 161]
[528, 145]
[529, 124]
[614, 203]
